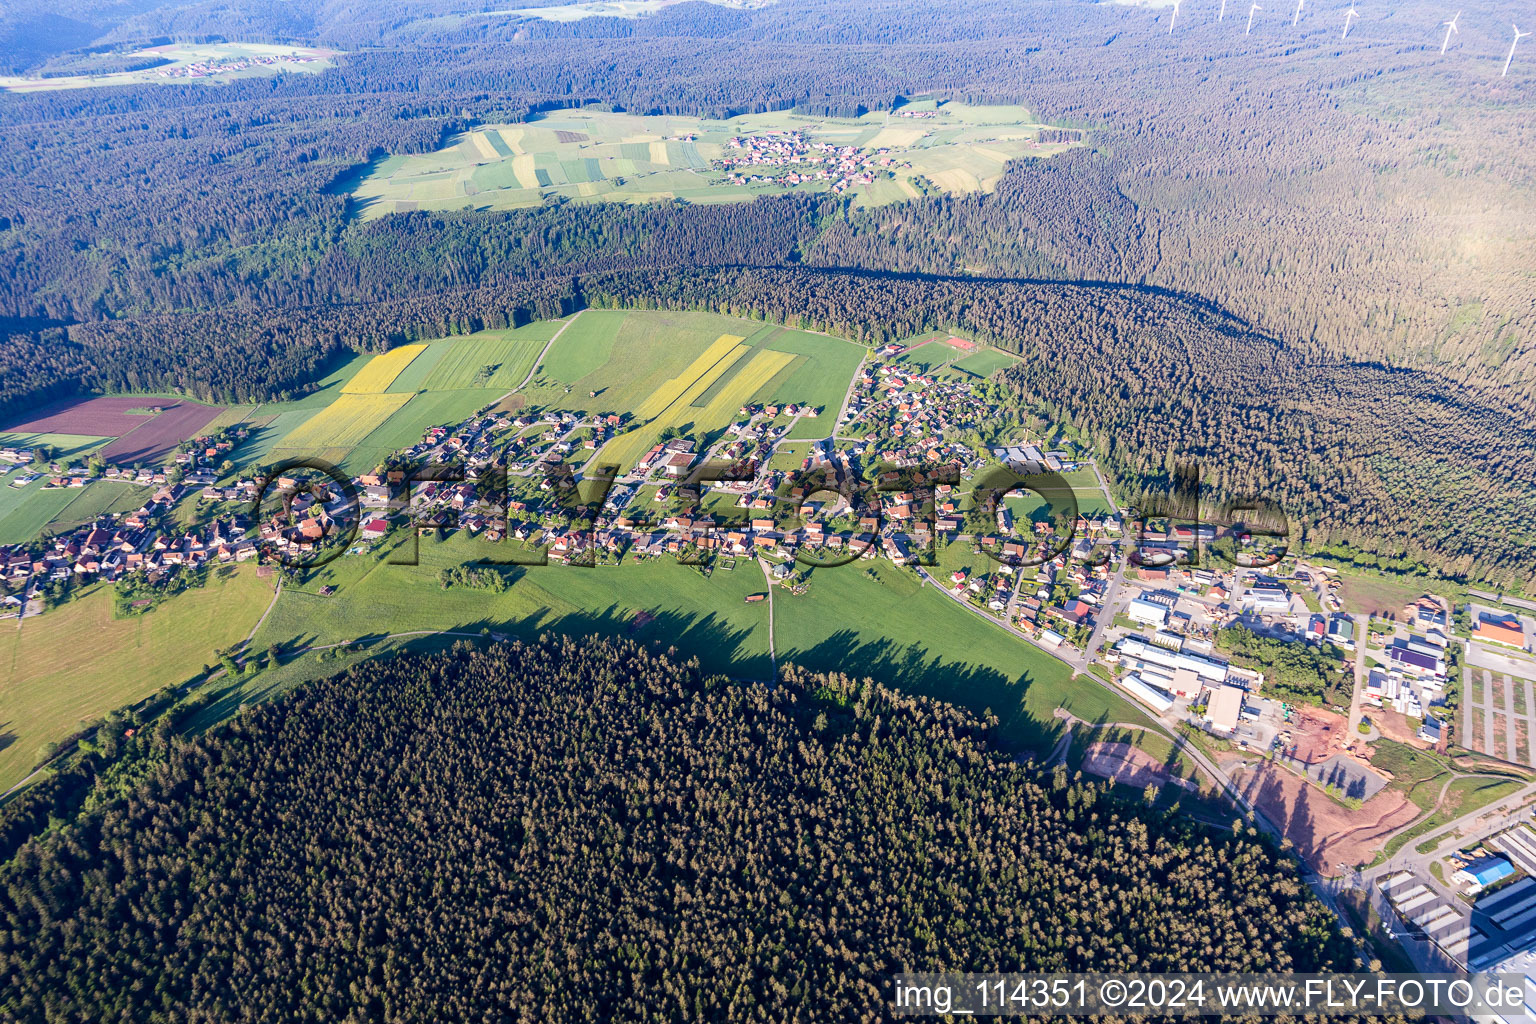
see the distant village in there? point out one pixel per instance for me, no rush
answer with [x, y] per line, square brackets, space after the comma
[776, 157]
[224, 65]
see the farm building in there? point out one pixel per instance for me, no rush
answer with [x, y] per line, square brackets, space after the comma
[1494, 631]
[677, 465]
[1147, 693]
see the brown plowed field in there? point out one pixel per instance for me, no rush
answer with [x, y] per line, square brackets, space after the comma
[140, 437]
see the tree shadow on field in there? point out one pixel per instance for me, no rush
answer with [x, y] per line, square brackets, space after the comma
[911, 668]
[719, 648]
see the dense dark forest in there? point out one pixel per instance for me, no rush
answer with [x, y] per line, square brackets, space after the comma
[585, 831]
[1360, 210]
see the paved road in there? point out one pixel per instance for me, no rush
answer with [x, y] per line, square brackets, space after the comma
[1107, 609]
[1502, 813]
[277, 592]
[837, 424]
[1504, 598]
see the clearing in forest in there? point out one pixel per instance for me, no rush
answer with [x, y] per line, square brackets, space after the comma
[593, 155]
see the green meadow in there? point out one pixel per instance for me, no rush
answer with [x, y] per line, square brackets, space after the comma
[627, 357]
[889, 627]
[77, 662]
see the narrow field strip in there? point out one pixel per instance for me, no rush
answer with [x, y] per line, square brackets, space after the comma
[380, 371]
[658, 401]
[765, 365]
[738, 364]
[345, 422]
[691, 394]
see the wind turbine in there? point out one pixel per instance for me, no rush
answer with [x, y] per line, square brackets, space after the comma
[1297, 16]
[1348, 15]
[1175, 20]
[1518, 36]
[1251, 11]
[1450, 27]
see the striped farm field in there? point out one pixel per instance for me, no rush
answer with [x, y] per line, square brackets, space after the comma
[508, 354]
[346, 421]
[626, 449]
[381, 371]
[765, 366]
[710, 364]
[696, 390]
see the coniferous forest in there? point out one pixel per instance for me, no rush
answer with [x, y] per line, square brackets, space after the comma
[591, 831]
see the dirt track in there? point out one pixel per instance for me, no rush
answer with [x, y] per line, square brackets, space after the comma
[1123, 763]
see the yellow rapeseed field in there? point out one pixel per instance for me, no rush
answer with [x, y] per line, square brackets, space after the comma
[380, 371]
[737, 391]
[345, 422]
[669, 392]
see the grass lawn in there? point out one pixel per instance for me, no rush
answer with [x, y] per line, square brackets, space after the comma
[625, 356]
[232, 416]
[930, 356]
[821, 380]
[788, 457]
[586, 345]
[64, 447]
[731, 363]
[96, 498]
[705, 617]
[629, 356]
[77, 662]
[457, 362]
[24, 511]
[1419, 774]
[914, 638]
[1374, 594]
[921, 641]
[432, 408]
[957, 554]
